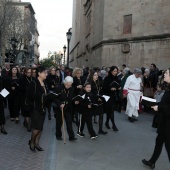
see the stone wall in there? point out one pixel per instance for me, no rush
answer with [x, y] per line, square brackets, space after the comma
[149, 38]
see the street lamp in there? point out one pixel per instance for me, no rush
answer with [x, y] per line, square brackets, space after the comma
[64, 49]
[68, 34]
[61, 59]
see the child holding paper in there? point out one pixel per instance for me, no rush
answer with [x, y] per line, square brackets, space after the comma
[86, 112]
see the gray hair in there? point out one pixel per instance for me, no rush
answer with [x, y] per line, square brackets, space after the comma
[126, 70]
[138, 71]
[147, 70]
[68, 79]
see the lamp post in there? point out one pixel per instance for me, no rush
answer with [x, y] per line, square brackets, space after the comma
[14, 43]
[68, 34]
[61, 59]
[64, 49]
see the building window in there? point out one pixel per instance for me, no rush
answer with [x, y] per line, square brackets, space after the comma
[127, 28]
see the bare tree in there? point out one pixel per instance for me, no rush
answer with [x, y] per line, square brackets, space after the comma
[15, 23]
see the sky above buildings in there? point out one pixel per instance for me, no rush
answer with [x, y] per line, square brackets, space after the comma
[54, 18]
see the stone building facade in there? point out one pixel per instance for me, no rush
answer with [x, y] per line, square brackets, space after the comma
[116, 32]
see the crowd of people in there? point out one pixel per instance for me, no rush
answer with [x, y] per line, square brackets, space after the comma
[82, 96]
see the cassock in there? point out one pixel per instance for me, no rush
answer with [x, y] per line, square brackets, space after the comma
[132, 89]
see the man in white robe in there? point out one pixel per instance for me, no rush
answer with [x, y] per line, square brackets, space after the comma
[132, 90]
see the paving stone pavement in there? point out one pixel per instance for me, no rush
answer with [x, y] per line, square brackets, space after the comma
[115, 151]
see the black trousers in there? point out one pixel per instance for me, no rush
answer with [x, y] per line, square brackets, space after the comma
[110, 108]
[160, 140]
[68, 120]
[86, 118]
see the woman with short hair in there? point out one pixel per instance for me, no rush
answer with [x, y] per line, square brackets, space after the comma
[35, 93]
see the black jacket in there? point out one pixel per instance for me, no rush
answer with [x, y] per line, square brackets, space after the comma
[107, 87]
[9, 83]
[2, 85]
[77, 82]
[65, 96]
[52, 81]
[164, 115]
[35, 96]
[24, 84]
[88, 100]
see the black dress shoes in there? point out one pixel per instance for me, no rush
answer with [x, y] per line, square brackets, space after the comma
[148, 163]
[59, 138]
[72, 139]
[3, 131]
[131, 119]
[115, 128]
[39, 148]
[134, 119]
[107, 125]
[101, 132]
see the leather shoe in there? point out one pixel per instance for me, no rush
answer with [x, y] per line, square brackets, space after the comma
[59, 138]
[102, 132]
[148, 163]
[39, 148]
[115, 129]
[72, 139]
[134, 119]
[131, 120]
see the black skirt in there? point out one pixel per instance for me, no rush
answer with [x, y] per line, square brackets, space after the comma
[2, 116]
[37, 120]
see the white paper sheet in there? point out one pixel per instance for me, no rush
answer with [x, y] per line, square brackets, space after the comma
[4, 92]
[83, 96]
[148, 99]
[106, 97]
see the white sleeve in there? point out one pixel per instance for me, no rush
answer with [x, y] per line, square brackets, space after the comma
[127, 83]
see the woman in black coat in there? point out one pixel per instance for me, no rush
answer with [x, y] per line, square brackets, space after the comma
[52, 82]
[35, 94]
[2, 116]
[111, 87]
[78, 82]
[24, 84]
[96, 90]
[163, 125]
[13, 86]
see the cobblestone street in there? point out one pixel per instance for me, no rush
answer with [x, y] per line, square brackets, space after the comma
[115, 151]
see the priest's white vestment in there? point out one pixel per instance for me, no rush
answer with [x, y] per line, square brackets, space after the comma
[132, 88]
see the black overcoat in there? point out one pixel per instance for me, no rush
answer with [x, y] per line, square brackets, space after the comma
[2, 117]
[164, 115]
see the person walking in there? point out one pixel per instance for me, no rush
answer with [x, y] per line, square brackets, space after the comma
[2, 116]
[35, 93]
[64, 106]
[163, 130]
[132, 90]
[111, 87]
